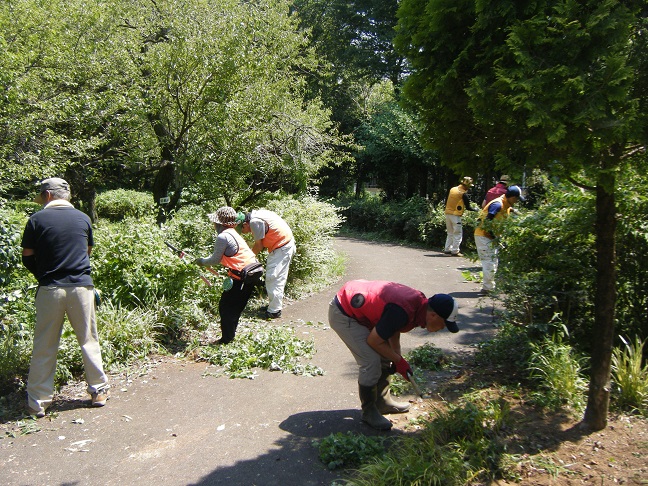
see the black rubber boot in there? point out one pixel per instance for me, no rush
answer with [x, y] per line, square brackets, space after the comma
[384, 401]
[370, 413]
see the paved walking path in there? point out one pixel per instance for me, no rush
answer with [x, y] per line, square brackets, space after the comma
[176, 425]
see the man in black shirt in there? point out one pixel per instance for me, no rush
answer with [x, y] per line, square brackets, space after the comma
[56, 243]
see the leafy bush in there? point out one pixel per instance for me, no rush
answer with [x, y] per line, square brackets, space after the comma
[133, 267]
[314, 223]
[17, 311]
[15, 349]
[119, 204]
[547, 266]
[401, 220]
[10, 236]
[348, 450]
[630, 377]
[433, 229]
[190, 230]
[414, 220]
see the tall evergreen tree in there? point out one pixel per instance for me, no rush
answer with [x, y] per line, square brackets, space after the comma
[562, 82]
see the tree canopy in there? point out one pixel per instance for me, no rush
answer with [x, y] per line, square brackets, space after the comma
[196, 98]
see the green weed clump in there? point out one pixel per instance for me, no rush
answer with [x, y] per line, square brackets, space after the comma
[509, 351]
[426, 357]
[557, 369]
[268, 348]
[630, 377]
[348, 450]
[457, 446]
[127, 335]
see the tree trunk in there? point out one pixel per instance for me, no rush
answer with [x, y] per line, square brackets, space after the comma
[163, 180]
[603, 332]
[83, 192]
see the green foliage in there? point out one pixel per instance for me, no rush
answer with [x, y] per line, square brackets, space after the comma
[469, 276]
[392, 154]
[457, 446]
[509, 351]
[427, 357]
[547, 268]
[391, 220]
[433, 228]
[15, 348]
[119, 204]
[557, 369]
[632, 254]
[133, 267]
[348, 450]
[212, 102]
[69, 361]
[500, 99]
[127, 336]
[9, 251]
[190, 230]
[353, 44]
[630, 377]
[260, 346]
[17, 313]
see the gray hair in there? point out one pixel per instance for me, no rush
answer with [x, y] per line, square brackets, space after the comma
[60, 193]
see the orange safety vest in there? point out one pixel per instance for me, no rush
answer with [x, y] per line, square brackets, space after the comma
[278, 233]
[454, 203]
[502, 213]
[241, 258]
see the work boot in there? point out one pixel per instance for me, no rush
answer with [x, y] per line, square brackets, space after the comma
[370, 413]
[384, 401]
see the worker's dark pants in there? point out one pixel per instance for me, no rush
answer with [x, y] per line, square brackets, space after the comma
[231, 306]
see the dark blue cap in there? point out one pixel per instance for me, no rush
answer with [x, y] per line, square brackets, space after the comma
[445, 306]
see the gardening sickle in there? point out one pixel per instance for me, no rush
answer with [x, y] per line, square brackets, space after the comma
[417, 390]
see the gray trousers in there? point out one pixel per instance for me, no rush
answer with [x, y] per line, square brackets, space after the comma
[52, 305]
[354, 335]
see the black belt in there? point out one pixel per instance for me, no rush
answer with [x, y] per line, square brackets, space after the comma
[339, 306]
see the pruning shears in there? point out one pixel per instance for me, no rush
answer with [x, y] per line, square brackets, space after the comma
[181, 254]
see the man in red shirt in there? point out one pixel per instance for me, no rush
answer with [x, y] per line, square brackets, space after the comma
[369, 316]
[497, 190]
